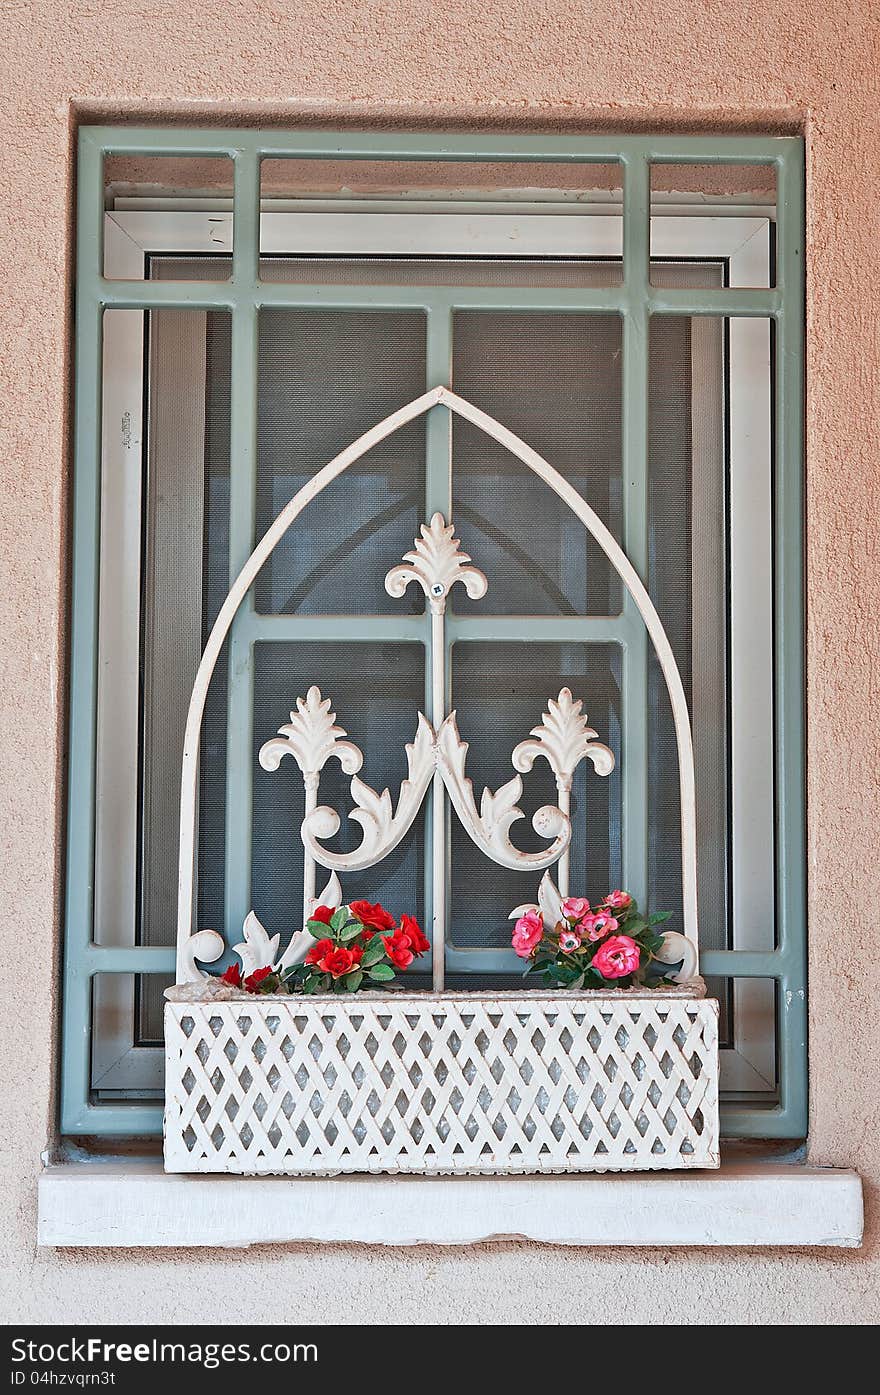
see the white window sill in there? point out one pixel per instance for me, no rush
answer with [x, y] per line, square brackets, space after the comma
[134, 1203]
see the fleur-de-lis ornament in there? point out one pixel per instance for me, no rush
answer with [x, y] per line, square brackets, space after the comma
[436, 562]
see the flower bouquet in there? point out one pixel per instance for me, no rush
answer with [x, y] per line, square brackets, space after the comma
[611, 944]
[356, 946]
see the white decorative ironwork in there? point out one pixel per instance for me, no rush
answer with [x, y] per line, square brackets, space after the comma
[383, 825]
[489, 826]
[565, 491]
[436, 563]
[596, 1080]
[312, 738]
[564, 738]
[463, 1083]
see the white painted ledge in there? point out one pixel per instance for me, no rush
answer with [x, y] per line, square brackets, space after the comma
[134, 1203]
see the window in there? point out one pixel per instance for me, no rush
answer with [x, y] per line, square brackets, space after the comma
[221, 362]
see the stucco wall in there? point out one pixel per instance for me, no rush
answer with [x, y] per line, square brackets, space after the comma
[542, 64]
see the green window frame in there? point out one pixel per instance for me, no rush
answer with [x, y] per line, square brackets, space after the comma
[636, 300]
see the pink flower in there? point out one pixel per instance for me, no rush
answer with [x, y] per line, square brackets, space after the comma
[527, 934]
[618, 900]
[575, 908]
[618, 957]
[597, 926]
[569, 940]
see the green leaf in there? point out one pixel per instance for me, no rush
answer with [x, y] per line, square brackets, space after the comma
[318, 929]
[374, 951]
[353, 981]
[658, 917]
[578, 982]
[349, 932]
[339, 919]
[383, 973]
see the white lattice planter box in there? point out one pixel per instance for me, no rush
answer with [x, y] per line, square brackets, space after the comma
[463, 1083]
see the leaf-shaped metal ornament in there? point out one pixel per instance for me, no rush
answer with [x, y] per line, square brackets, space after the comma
[498, 810]
[383, 825]
[311, 737]
[258, 949]
[564, 738]
[436, 562]
[549, 903]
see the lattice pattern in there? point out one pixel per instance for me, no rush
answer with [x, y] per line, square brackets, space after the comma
[462, 1083]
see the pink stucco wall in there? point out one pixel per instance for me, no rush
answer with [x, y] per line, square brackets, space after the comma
[537, 64]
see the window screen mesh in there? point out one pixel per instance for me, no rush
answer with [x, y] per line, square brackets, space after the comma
[555, 380]
[325, 377]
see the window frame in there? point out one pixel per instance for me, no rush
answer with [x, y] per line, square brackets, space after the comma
[636, 301]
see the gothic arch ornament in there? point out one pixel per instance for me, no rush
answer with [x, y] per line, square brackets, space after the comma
[437, 755]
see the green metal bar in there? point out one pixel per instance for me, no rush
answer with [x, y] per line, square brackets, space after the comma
[759, 304]
[242, 524]
[128, 959]
[789, 636]
[742, 963]
[225, 295]
[83, 686]
[118, 1120]
[350, 629]
[220, 295]
[544, 629]
[387, 145]
[634, 720]
[438, 499]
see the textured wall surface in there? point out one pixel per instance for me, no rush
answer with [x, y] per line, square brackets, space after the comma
[537, 64]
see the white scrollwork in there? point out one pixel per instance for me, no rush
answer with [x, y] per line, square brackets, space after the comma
[204, 945]
[436, 562]
[383, 826]
[678, 947]
[312, 738]
[498, 809]
[564, 738]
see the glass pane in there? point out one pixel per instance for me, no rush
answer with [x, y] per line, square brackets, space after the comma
[327, 376]
[500, 692]
[555, 379]
[377, 691]
[721, 211]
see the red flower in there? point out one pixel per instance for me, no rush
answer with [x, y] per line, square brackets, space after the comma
[319, 950]
[322, 913]
[397, 947]
[253, 981]
[376, 916]
[410, 927]
[367, 935]
[232, 976]
[340, 962]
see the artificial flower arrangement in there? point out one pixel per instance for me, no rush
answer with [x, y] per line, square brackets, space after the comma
[356, 946]
[609, 945]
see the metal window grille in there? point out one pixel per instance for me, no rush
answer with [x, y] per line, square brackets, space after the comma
[245, 295]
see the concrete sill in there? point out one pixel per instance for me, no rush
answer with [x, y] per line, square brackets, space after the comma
[134, 1203]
